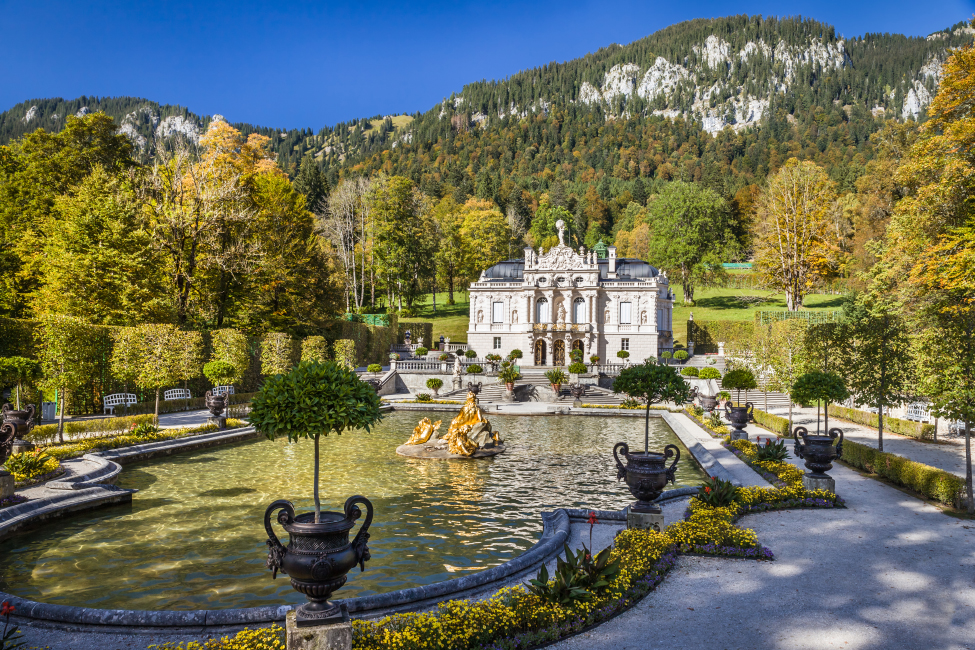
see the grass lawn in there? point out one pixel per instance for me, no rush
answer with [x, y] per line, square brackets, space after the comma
[711, 304]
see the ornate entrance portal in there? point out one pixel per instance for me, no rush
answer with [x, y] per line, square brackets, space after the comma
[558, 353]
[540, 352]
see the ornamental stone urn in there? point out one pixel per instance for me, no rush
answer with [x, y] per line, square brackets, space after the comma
[318, 556]
[577, 391]
[216, 405]
[646, 475]
[739, 416]
[819, 454]
[14, 426]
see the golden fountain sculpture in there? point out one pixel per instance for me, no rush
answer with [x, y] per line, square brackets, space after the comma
[468, 432]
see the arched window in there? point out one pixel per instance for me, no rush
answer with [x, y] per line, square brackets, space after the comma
[542, 311]
[579, 311]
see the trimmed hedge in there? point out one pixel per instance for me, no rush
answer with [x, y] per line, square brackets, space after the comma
[706, 334]
[773, 423]
[928, 481]
[96, 428]
[893, 425]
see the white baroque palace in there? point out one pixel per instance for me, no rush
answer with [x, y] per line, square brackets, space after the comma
[549, 303]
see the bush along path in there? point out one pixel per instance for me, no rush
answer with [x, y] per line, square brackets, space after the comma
[586, 591]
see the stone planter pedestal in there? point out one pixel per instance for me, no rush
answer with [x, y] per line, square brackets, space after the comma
[337, 636]
[6, 484]
[825, 482]
[220, 421]
[644, 520]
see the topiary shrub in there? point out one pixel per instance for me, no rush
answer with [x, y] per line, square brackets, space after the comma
[623, 354]
[219, 372]
[681, 355]
[470, 354]
[474, 369]
[666, 355]
[374, 367]
[709, 373]
[594, 358]
[739, 380]
[516, 354]
[577, 367]
[689, 372]
[424, 397]
[576, 354]
[421, 352]
[434, 384]
[443, 357]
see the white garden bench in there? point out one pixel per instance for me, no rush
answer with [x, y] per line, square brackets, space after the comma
[177, 393]
[917, 412]
[223, 390]
[117, 399]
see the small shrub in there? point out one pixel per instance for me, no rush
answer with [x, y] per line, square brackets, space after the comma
[474, 369]
[716, 492]
[772, 451]
[145, 431]
[577, 577]
[689, 371]
[516, 354]
[724, 395]
[631, 403]
[395, 356]
[219, 372]
[434, 383]
[421, 352]
[594, 358]
[714, 420]
[578, 367]
[697, 410]
[470, 354]
[666, 354]
[576, 354]
[681, 355]
[374, 367]
[444, 357]
[556, 376]
[709, 373]
[927, 431]
[424, 397]
[31, 464]
[623, 354]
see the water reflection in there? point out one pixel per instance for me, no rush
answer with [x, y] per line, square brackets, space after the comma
[193, 536]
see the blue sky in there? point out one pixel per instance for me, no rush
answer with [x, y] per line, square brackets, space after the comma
[309, 64]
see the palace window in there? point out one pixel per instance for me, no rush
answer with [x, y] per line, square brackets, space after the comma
[625, 317]
[542, 312]
[625, 344]
[498, 312]
[497, 342]
[579, 310]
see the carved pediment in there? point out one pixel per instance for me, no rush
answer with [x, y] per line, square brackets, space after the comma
[561, 258]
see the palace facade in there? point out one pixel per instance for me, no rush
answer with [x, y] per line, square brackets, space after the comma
[551, 302]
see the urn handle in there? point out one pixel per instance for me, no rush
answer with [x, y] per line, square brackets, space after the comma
[31, 410]
[833, 433]
[275, 556]
[799, 435]
[749, 408]
[620, 468]
[672, 450]
[359, 543]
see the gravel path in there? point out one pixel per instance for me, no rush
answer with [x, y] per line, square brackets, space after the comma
[888, 572]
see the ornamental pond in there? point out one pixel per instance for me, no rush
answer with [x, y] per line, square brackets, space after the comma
[193, 536]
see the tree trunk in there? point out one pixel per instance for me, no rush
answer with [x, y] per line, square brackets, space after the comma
[646, 429]
[968, 467]
[826, 418]
[880, 426]
[19, 384]
[156, 416]
[790, 415]
[61, 419]
[318, 505]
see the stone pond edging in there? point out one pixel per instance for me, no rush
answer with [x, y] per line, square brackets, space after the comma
[554, 535]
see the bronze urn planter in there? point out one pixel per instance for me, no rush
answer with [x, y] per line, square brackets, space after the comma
[318, 556]
[818, 452]
[708, 402]
[646, 474]
[15, 425]
[216, 405]
[739, 417]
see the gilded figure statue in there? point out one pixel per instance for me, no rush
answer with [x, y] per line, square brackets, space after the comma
[425, 431]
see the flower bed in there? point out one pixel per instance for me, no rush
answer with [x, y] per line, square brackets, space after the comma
[14, 500]
[637, 407]
[429, 401]
[81, 447]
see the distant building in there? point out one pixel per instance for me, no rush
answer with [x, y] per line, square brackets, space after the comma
[549, 303]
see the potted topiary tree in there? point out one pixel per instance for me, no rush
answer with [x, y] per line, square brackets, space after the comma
[624, 355]
[494, 360]
[556, 377]
[470, 354]
[723, 397]
[666, 355]
[690, 371]
[435, 384]
[680, 356]
[739, 380]
[508, 375]
[818, 450]
[645, 473]
[312, 400]
[474, 369]
[374, 368]
[709, 373]
[515, 354]
[421, 352]
[576, 368]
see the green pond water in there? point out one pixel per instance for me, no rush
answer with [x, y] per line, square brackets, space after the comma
[193, 537]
